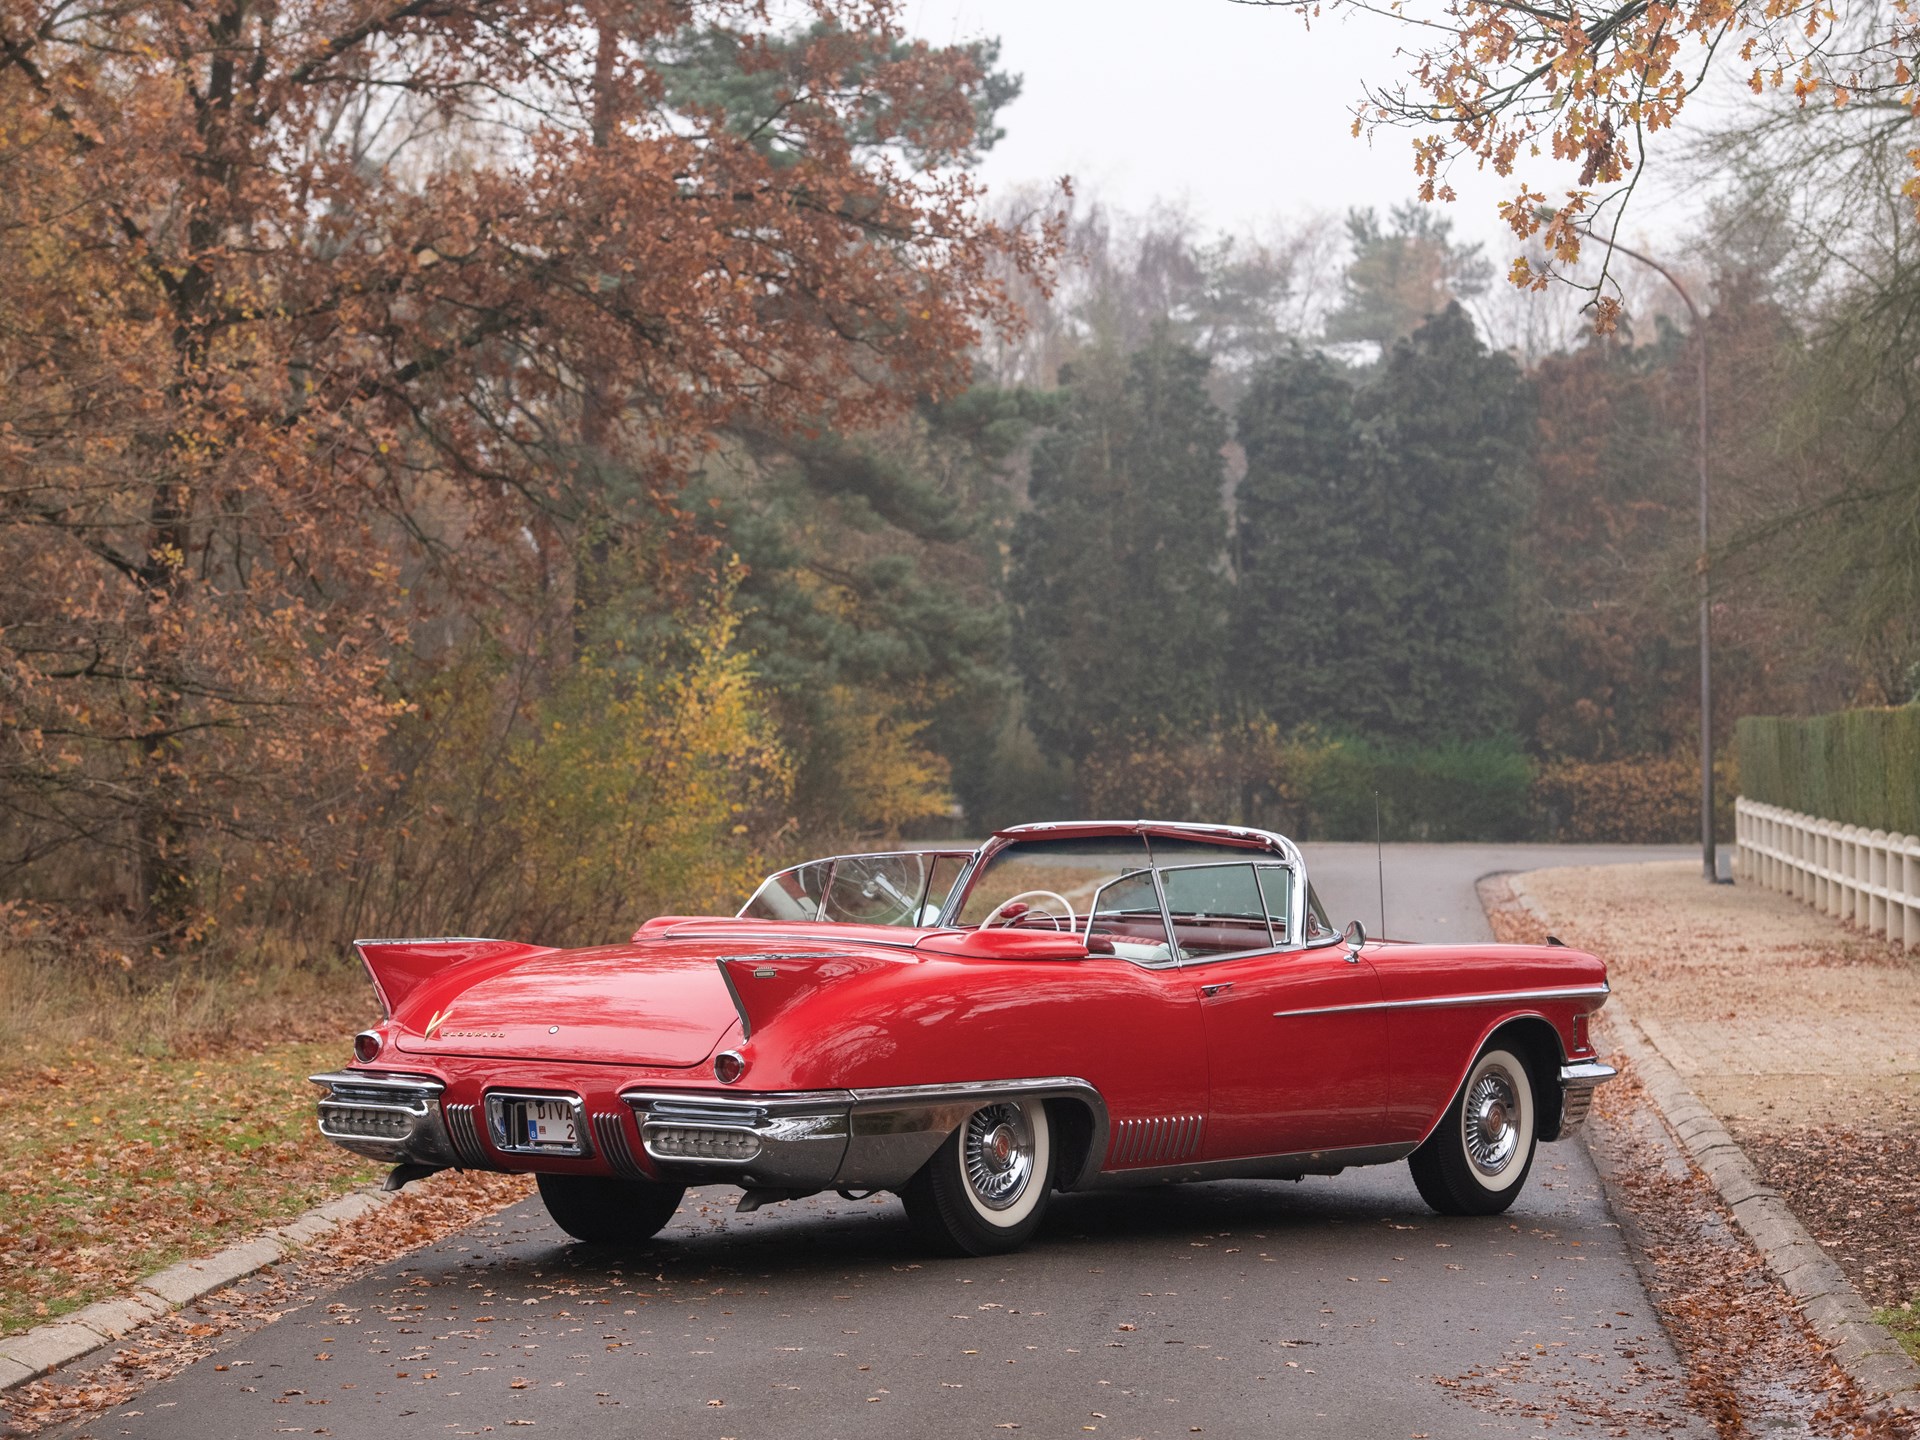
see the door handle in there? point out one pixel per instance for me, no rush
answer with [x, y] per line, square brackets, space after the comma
[1212, 990]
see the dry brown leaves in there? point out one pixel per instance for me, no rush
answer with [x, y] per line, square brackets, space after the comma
[1753, 1363]
[1859, 1193]
[117, 1164]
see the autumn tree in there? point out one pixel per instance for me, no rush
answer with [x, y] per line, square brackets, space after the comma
[1117, 571]
[321, 322]
[1519, 87]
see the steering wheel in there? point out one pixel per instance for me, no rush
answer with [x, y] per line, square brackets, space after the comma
[998, 913]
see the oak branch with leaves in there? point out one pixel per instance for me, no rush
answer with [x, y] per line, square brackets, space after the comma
[1499, 83]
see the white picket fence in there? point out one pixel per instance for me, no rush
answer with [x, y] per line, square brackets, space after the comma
[1866, 876]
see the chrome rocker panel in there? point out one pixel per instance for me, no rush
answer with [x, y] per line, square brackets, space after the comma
[804, 1141]
[829, 1139]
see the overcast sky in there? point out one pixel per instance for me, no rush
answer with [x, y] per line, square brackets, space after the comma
[1236, 110]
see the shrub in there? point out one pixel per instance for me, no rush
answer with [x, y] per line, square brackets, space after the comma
[1315, 787]
[1857, 767]
[570, 813]
[1640, 800]
[1456, 790]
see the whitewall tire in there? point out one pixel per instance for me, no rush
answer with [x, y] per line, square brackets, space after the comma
[986, 1188]
[1478, 1157]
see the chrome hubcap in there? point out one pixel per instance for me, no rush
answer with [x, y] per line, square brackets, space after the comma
[996, 1151]
[1491, 1122]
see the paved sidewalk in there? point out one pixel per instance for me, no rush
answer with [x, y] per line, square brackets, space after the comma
[1801, 1036]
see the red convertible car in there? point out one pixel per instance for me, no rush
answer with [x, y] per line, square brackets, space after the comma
[1070, 1006]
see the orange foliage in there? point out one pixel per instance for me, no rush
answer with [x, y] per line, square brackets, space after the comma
[1502, 82]
[1644, 800]
[318, 321]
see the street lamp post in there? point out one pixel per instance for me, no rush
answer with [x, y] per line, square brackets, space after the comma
[1708, 864]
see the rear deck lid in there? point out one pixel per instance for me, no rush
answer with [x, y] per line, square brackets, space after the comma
[654, 1004]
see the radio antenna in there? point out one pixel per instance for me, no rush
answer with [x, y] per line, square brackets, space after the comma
[1380, 863]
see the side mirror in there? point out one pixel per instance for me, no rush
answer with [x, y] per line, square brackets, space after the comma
[1354, 937]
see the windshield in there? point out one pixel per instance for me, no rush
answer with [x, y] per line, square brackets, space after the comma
[1057, 878]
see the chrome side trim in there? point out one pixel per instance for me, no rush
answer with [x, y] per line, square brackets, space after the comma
[432, 940]
[799, 1136]
[827, 947]
[733, 994]
[1577, 1083]
[896, 1130]
[1437, 1002]
[377, 1083]
[610, 1134]
[1255, 1167]
[1159, 1139]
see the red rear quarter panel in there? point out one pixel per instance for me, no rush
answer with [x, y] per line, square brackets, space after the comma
[1134, 1034]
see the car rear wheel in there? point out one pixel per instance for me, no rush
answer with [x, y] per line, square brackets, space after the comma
[1477, 1158]
[985, 1190]
[602, 1210]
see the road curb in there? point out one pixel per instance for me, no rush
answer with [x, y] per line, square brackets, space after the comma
[1864, 1348]
[47, 1347]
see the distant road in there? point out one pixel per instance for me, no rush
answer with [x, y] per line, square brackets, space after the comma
[1338, 1306]
[1427, 884]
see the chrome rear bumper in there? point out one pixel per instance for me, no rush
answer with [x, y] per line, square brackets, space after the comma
[1577, 1082]
[798, 1141]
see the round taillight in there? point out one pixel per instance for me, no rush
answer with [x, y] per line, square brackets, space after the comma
[728, 1067]
[366, 1045]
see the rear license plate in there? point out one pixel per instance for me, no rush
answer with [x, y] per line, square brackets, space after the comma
[549, 1124]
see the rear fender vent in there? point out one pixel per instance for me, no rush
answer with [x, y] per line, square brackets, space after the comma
[610, 1132]
[1155, 1140]
[464, 1129]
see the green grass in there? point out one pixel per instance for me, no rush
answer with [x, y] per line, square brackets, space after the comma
[1904, 1322]
[118, 1164]
[149, 1116]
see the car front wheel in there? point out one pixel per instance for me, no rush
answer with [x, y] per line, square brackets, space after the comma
[1478, 1156]
[985, 1190]
[602, 1210]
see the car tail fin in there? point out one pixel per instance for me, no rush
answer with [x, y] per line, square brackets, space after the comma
[766, 984]
[397, 967]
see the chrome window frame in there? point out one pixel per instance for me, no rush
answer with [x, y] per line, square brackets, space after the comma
[1152, 872]
[1272, 944]
[1266, 847]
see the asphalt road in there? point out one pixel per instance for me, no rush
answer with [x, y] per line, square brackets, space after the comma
[1336, 1306]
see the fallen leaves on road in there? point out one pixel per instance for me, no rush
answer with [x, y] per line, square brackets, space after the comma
[424, 1213]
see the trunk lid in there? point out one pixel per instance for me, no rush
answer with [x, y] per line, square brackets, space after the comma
[650, 1004]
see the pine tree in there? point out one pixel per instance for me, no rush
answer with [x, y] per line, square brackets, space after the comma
[1118, 569]
[1376, 526]
[1299, 528]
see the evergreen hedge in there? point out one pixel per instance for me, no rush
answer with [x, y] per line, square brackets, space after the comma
[1857, 767]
